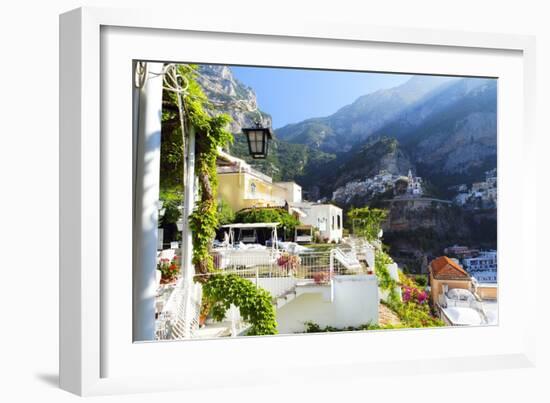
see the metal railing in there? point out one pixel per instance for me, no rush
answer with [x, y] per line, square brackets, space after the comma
[470, 303]
[277, 272]
[319, 267]
[179, 317]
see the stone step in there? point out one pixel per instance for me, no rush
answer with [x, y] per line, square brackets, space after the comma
[285, 299]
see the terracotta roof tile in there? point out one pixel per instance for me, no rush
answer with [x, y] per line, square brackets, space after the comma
[443, 267]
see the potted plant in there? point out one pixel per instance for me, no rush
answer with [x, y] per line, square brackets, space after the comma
[205, 310]
[289, 263]
[321, 277]
[169, 270]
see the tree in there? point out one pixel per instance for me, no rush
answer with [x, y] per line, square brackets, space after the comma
[367, 222]
[225, 214]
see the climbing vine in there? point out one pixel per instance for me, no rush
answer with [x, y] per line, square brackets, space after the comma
[255, 306]
[220, 291]
[386, 282]
[210, 133]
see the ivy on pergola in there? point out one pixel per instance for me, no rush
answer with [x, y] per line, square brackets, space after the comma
[220, 290]
[210, 133]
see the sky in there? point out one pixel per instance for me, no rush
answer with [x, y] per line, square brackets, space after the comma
[293, 95]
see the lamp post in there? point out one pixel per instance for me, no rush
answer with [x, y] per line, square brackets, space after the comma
[258, 140]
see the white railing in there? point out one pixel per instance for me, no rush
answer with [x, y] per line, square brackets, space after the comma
[270, 268]
[470, 303]
[364, 250]
[276, 272]
[179, 311]
[348, 258]
[229, 259]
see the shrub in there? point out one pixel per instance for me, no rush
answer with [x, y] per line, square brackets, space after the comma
[225, 214]
[255, 306]
[414, 295]
[367, 222]
[414, 315]
[312, 327]
[288, 221]
[421, 280]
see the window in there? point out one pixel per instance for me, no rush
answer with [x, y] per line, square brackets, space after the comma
[332, 222]
[339, 218]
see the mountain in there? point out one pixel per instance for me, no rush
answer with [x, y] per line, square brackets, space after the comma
[451, 135]
[443, 128]
[384, 154]
[285, 161]
[366, 161]
[354, 123]
[446, 126]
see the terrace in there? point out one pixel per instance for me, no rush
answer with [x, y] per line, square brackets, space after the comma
[285, 275]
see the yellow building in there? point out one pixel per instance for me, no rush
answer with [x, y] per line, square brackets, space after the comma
[241, 186]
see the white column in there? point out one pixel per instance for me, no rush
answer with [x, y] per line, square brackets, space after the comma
[188, 207]
[146, 201]
[186, 238]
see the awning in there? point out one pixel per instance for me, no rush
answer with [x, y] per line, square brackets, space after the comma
[298, 211]
[253, 225]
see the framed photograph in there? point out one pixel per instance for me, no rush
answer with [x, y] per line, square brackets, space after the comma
[243, 204]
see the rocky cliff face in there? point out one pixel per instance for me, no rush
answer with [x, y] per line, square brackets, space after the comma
[452, 131]
[445, 130]
[285, 161]
[230, 96]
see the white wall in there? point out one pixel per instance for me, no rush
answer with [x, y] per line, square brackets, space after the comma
[294, 191]
[326, 211]
[355, 303]
[30, 44]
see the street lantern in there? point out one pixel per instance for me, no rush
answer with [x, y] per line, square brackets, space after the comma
[258, 138]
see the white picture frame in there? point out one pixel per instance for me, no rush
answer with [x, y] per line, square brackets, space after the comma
[97, 357]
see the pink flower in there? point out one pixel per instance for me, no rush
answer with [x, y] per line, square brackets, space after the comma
[422, 297]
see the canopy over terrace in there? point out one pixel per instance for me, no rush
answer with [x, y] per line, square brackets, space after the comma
[271, 225]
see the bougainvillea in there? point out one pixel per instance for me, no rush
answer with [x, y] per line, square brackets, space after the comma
[414, 295]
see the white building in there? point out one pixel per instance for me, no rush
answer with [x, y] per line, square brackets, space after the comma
[414, 186]
[293, 191]
[482, 267]
[485, 191]
[370, 187]
[326, 218]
